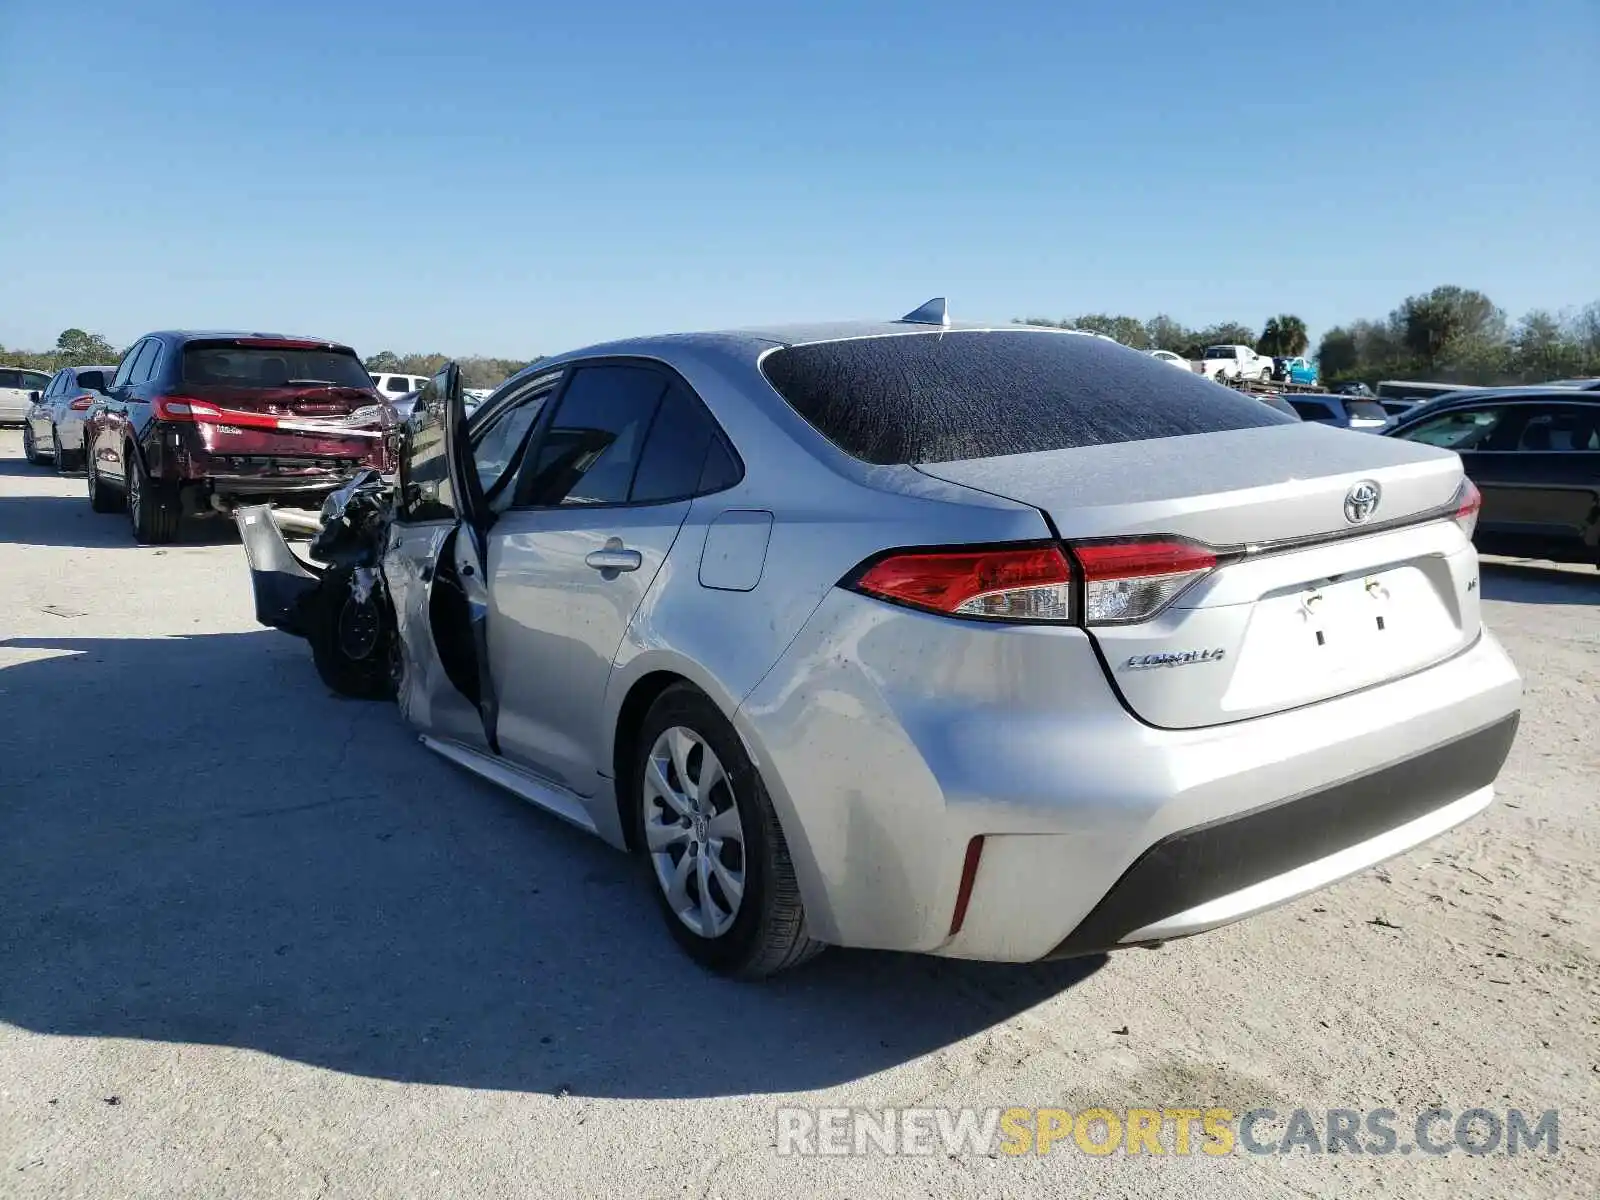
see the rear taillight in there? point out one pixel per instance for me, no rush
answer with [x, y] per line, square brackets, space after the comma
[1128, 581]
[183, 408]
[1468, 501]
[1012, 583]
[81, 404]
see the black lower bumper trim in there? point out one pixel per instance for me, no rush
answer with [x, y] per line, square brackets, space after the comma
[1208, 861]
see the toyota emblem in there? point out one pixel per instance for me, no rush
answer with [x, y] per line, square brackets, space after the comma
[1361, 501]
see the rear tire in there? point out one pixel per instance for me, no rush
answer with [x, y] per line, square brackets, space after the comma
[64, 461]
[352, 644]
[152, 505]
[767, 932]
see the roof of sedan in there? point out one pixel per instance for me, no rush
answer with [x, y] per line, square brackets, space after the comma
[758, 338]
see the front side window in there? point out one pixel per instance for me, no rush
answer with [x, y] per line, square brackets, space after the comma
[125, 367]
[1221, 352]
[590, 449]
[498, 444]
[1463, 429]
[141, 365]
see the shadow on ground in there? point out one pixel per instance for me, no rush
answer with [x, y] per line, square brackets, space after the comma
[1531, 583]
[201, 845]
[69, 521]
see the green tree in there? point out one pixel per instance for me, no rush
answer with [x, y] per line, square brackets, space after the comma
[1163, 333]
[75, 348]
[1449, 319]
[1283, 336]
[1130, 331]
[384, 361]
[1337, 355]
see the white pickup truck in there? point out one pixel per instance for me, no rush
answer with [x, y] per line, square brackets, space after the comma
[1230, 364]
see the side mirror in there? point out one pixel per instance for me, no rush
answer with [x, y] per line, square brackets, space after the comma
[34, 396]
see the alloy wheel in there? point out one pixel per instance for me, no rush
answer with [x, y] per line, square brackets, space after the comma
[693, 833]
[135, 492]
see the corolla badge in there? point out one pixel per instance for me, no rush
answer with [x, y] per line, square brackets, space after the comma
[1175, 658]
[1361, 501]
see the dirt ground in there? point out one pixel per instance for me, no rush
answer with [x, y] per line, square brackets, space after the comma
[256, 941]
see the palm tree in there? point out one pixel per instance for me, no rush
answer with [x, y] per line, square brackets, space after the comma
[1283, 336]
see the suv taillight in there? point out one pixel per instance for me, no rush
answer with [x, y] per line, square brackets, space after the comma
[1123, 581]
[1468, 502]
[183, 408]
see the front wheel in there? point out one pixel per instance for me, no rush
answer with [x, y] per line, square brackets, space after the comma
[102, 499]
[353, 638]
[30, 448]
[723, 877]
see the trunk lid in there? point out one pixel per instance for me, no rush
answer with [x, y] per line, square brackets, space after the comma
[1306, 603]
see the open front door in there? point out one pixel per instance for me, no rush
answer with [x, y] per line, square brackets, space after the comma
[468, 550]
[435, 570]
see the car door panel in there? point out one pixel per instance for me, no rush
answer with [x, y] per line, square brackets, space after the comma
[433, 566]
[563, 592]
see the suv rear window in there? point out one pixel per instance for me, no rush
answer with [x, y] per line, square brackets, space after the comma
[1366, 410]
[940, 397]
[232, 365]
[28, 380]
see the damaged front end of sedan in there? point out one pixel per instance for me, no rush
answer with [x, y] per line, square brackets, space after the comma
[338, 601]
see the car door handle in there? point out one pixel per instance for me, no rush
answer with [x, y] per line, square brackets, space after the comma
[614, 558]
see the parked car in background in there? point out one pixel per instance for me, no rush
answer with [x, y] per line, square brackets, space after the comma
[392, 386]
[1354, 389]
[1230, 364]
[196, 421]
[1343, 412]
[622, 584]
[54, 426]
[1176, 360]
[18, 388]
[1295, 369]
[1534, 454]
[1277, 401]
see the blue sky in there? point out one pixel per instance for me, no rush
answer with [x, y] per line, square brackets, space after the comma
[486, 176]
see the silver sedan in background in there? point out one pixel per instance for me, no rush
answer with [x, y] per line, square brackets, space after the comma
[53, 428]
[993, 643]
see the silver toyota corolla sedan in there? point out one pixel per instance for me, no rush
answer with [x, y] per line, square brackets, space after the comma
[993, 643]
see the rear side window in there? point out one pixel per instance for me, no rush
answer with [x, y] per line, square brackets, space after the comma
[589, 451]
[227, 364]
[146, 360]
[1313, 410]
[675, 455]
[941, 397]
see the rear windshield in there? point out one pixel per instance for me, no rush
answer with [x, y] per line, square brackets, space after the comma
[1366, 409]
[940, 397]
[271, 366]
[33, 381]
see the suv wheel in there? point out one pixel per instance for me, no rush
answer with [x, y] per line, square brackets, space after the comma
[152, 506]
[702, 816]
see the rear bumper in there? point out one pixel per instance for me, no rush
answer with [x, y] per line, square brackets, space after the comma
[1210, 875]
[888, 740]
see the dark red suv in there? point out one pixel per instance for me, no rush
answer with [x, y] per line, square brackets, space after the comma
[192, 422]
